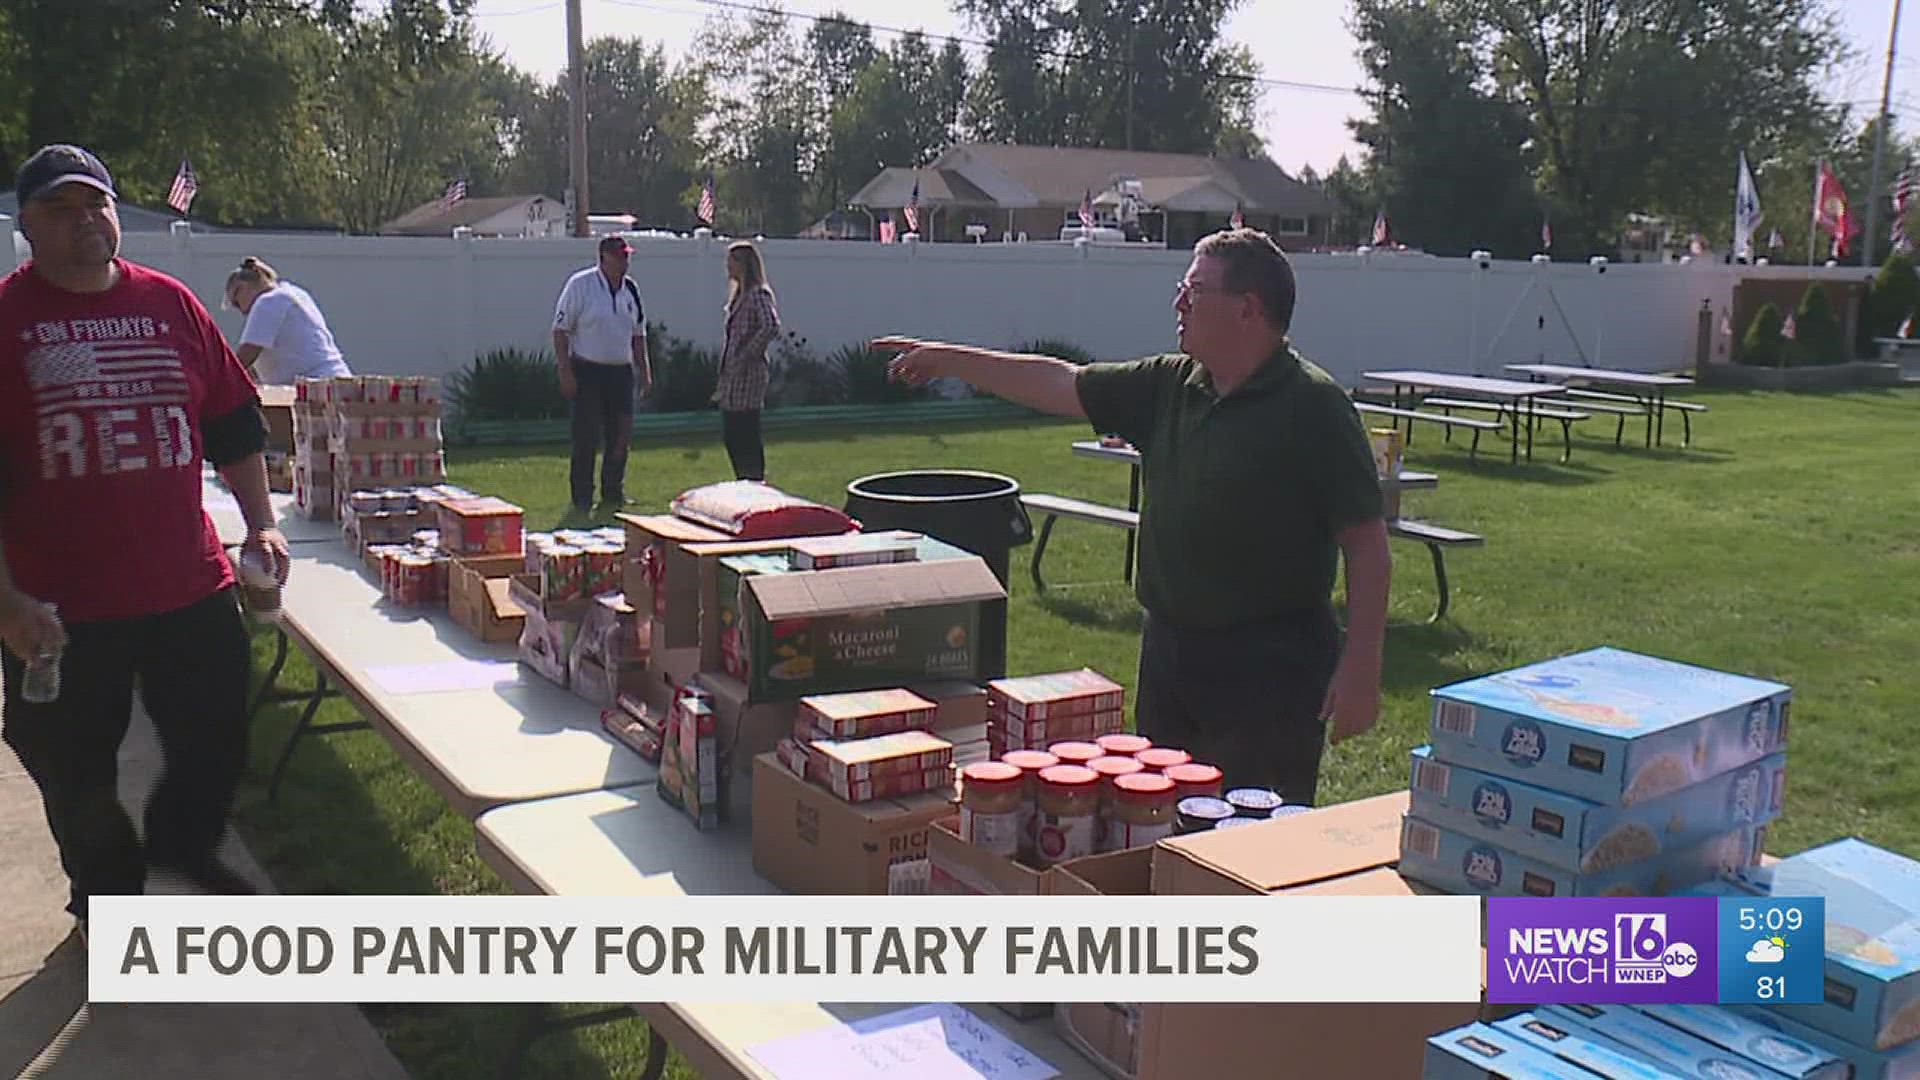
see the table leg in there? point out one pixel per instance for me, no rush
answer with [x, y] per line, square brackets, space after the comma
[1133, 504]
[1660, 425]
[536, 1023]
[1653, 418]
[273, 671]
[305, 726]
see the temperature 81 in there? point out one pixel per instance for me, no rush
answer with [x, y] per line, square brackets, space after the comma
[1771, 919]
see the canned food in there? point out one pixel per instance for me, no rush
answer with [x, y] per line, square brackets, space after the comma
[1198, 813]
[562, 572]
[602, 569]
[366, 502]
[1253, 802]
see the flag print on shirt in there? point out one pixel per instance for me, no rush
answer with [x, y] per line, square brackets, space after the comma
[109, 396]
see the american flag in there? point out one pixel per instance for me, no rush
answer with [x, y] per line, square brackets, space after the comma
[1774, 240]
[1238, 220]
[1382, 232]
[1788, 329]
[456, 191]
[101, 374]
[1906, 327]
[1086, 210]
[886, 231]
[1904, 189]
[185, 187]
[911, 211]
[707, 203]
[1546, 235]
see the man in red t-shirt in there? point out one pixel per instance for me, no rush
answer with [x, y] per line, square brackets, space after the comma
[114, 386]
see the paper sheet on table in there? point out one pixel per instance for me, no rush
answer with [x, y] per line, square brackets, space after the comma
[926, 1042]
[444, 676]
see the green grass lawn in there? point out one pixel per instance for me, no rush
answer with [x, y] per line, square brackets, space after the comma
[1785, 544]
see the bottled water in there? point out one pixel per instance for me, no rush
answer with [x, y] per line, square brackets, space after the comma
[41, 681]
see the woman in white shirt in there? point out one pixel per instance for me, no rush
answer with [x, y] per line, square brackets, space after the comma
[286, 337]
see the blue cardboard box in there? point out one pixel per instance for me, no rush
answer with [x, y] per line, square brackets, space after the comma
[1761, 1045]
[1608, 725]
[1873, 939]
[1595, 1053]
[1479, 1052]
[1457, 863]
[1900, 1063]
[1579, 834]
[1686, 1054]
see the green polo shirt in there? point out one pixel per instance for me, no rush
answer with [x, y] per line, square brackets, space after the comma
[1243, 494]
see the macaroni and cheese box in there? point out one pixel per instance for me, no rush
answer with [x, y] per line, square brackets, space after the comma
[1609, 725]
[1457, 863]
[1873, 939]
[1685, 1054]
[1480, 1052]
[1062, 693]
[1901, 1063]
[853, 549]
[1578, 834]
[1766, 1046]
[863, 714]
[1599, 1055]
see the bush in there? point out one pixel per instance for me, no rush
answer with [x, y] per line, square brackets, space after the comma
[507, 384]
[864, 373]
[1062, 350]
[1762, 344]
[1817, 336]
[798, 377]
[1894, 297]
[684, 374]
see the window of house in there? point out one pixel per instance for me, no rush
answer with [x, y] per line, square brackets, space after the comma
[1292, 226]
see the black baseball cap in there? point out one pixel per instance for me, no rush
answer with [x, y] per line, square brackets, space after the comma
[60, 163]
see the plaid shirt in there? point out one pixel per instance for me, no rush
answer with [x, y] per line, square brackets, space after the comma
[752, 322]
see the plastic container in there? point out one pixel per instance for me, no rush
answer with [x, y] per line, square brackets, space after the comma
[1075, 753]
[1198, 813]
[1143, 810]
[1066, 811]
[40, 681]
[1030, 763]
[1121, 744]
[1194, 778]
[1162, 758]
[1110, 767]
[1258, 803]
[992, 795]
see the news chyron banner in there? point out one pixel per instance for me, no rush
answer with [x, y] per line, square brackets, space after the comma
[870, 949]
[1750, 950]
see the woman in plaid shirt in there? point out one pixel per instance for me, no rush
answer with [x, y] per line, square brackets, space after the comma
[752, 321]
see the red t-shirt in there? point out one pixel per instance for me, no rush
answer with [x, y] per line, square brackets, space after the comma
[102, 398]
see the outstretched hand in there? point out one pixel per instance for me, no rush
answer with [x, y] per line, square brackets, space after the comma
[918, 363]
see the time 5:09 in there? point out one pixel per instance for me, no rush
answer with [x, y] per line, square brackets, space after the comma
[1771, 919]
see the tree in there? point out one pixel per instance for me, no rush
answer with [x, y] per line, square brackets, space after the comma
[1817, 336]
[1354, 204]
[1762, 346]
[766, 131]
[1445, 155]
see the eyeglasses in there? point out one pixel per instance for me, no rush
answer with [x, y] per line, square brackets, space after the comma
[1184, 287]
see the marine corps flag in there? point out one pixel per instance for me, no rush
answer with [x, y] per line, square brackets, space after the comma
[1830, 210]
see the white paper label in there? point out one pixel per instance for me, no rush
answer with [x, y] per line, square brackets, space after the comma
[1058, 839]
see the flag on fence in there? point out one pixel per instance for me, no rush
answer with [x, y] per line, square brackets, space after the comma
[1830, 210]
[911, 211]
[1382, 232]
[1546, 235]
[1086, 210]
[1906, 327]
[1746, 211]
[1726, 323]
[1787, 329]
[1774, 240]
[456, 191]
[1238, 220]
[886, 231]
[185, 187]
[707, 202]
[1904, 189]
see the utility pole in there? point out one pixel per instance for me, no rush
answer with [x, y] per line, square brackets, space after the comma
[1880, 146]
[1133, 76]
[577, 110]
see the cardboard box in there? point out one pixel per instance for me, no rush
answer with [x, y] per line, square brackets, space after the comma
[1270, 856]
[862, 714]
[1578, 834]
[1113, 873]
[747, 730]
[484, 526]
[1900, 1063]
[1062, 693]
[690, 777]
[853, 549]
[1477, 1051]
[483, 605]
[821, 631]
[883, 755]
[808, 840]
[1608, 725]
[1598, 1055]
[1738, 1035]
[957, 704]
[1873, 939]
[958, 868]
[670, 588]
[1665, 1044]
[1455, 863]
[1188, 1040]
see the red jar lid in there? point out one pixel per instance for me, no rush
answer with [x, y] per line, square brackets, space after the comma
[1195, 774]
[1029, 760]
[1069, 776]
[991, 772]
[1163, 757]
[1144, 787]
[1122, 744]
[1076, 753]
[1114, 765]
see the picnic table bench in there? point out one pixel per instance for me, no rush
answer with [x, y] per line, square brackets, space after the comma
[1447, 421]
[1536, 409]
[1647, 389]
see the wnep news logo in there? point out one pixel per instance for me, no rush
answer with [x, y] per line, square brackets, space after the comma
[1602, 951]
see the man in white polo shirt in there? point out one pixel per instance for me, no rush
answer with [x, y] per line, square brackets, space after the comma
[599, 339]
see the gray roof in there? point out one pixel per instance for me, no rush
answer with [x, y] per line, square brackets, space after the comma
[432, 218]
[132, 218]
[1063, 175]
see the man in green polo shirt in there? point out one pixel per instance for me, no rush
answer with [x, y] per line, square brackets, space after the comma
[1258, 476]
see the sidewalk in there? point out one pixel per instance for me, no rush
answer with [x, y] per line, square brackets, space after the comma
[43, 976]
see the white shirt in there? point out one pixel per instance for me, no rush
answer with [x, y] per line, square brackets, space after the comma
[293, 337]
[601, 322]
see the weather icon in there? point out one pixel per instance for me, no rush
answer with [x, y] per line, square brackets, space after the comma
[1767, 951]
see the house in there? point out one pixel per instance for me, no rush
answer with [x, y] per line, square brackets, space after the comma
[494, 215]
[136, 219]
[1172, 199]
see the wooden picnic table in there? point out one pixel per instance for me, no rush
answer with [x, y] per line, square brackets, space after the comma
[1516, 397]
[1649, 389]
